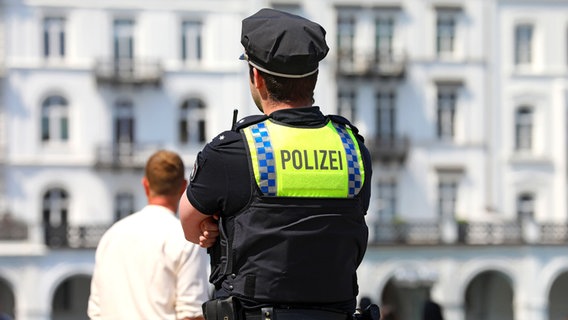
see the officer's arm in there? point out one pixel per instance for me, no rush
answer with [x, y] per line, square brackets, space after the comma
[198, 228]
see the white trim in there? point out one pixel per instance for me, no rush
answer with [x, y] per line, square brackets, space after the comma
[295, 76]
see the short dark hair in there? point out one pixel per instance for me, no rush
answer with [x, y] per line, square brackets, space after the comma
[283, 89]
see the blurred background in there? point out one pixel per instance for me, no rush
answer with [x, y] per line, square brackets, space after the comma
[463, 104]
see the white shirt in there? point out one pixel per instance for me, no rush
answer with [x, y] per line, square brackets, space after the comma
[145, 269]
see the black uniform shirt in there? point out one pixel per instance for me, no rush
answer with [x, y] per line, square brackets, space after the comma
[221, 181]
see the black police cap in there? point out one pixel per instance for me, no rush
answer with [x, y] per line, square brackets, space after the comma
[283, 44]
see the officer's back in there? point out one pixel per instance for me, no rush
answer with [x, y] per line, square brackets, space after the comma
[280, 199]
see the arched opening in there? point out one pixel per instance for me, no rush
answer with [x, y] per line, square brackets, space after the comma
[71, 298]
[489, 296]
[403, 300]
[391, 302]
[55, 207]
[54, 119]
[557, 307]
[524, 118]
[7, 299]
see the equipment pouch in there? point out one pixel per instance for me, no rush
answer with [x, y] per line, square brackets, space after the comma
[372, 312]
[222, 309]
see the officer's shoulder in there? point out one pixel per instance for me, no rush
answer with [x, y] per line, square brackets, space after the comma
[247, 121]
[230, 136]
[224, 138]
[342, 120]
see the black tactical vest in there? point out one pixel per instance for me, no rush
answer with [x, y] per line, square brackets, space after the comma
[291, 250]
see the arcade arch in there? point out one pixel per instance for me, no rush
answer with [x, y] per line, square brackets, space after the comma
[71, 297]
[489, 296]
[557, 307]
[7, 299]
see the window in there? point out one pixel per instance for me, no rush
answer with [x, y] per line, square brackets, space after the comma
[123, 131]
[525, 206]
[123, 42]
[124, 122]
[55, 208]
[384, 34]
[346, 104]
[523, 128]
[345, 40]
[445, 32]
[386, 196]
[53, 37]
[446, 109]
[123, 39]
[192, 121]
[124, 205]
[54, 119]
[523, 44]
[386, 115]
[191, 41]
[447, 193]
[55, 202]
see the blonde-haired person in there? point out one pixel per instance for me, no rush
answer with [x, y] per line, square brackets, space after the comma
[145, 269]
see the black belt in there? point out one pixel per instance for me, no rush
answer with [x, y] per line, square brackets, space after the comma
[294, 314]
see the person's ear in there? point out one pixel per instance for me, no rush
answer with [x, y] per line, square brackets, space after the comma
[146, 185]
[258, 79]
[251, 74]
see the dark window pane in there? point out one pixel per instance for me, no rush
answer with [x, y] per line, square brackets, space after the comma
[62, 43]
[64, 129]
[44, 128]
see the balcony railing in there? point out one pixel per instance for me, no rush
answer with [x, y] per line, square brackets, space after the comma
[471, 233]
[493, 233]
[378, 64]
[87, 236]
[553, 233]
[392, 233]
[12, 229]
[389, 149]
[124, 155]
[128, 72]
[77, 237]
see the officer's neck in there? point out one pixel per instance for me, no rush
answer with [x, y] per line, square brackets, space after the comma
[272, 106]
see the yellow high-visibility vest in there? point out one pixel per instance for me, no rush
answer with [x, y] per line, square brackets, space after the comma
[322, 162]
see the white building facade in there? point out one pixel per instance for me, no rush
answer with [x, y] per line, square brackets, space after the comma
[463, 105]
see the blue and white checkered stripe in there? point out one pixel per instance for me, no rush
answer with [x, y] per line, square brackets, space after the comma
[265, 156]
[354, 171]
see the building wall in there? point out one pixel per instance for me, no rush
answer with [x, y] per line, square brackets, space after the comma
[481, 155]
[542, 84]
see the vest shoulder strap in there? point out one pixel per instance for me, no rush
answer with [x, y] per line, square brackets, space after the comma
[342, 120]
[248, 121]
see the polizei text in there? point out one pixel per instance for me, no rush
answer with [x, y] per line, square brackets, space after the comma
[312, 159]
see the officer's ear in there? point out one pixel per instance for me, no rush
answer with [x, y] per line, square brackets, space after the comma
[257, 79]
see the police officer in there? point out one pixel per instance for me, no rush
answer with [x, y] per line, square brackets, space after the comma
[280, 199]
